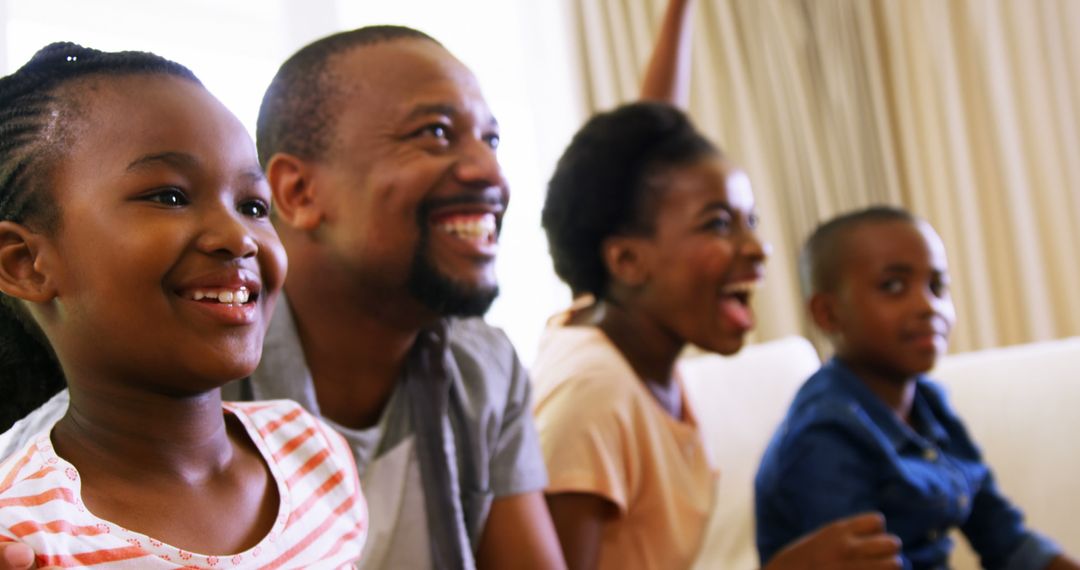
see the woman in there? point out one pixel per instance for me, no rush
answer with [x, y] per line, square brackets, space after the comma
[655, 233]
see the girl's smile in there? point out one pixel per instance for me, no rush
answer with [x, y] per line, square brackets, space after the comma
[165, 241]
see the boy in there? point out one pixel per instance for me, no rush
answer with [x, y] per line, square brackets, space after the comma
[869, 431]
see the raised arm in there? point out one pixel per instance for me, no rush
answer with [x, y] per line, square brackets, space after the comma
[667, 78]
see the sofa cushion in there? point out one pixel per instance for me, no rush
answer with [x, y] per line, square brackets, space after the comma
[1021, 405]
[739, 401]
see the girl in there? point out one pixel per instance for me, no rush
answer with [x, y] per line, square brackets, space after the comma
[138, 259]
[656, 232]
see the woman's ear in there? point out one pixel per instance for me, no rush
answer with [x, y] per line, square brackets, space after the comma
[290, 181]
[25, 264]
[626, 260]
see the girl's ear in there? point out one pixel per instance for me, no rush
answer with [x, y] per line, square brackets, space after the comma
[823, 311]
[626, 259]
[25, 264]
[290, 181]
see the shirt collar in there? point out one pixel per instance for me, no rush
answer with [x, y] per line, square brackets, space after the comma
[899, 433]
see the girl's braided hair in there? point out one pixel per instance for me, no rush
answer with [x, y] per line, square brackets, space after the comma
[38, 104]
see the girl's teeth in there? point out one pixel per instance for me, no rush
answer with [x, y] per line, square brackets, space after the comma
[225, 297]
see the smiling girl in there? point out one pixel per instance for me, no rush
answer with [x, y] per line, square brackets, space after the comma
[137, 258]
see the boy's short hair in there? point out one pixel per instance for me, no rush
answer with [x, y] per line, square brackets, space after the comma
[820, 263]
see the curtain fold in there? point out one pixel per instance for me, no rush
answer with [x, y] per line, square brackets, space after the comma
[963, 111]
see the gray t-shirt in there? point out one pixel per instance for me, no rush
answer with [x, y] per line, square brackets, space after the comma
[491, 433]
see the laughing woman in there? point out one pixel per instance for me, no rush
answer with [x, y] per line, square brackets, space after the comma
[655, 231]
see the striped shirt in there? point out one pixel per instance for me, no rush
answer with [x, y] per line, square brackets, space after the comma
[321, 522]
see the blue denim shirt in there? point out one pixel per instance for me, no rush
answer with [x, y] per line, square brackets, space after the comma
[842, 451]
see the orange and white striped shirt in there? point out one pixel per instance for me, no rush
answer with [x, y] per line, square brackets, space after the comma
[321, 523]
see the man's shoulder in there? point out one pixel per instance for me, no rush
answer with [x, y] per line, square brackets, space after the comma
[481, 352]
[474, 334]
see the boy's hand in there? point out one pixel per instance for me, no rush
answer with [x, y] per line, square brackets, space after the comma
[17, 556]
[855, 542]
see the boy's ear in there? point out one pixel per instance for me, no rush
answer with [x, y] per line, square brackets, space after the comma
[290, 181]
[626, 260]
[823, 311]
[25, 262]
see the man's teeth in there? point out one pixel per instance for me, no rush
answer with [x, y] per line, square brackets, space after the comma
[223, 296]
[481, 228]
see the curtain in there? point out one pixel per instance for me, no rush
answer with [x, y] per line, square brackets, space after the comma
[963, 111]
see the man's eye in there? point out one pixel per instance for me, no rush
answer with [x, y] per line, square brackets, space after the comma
[254, 209]
[171, 197]
[435, 130]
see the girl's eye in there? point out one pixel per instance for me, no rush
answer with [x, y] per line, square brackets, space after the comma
[752, 221]
[254, 209]
[492, 140]
[171, 197]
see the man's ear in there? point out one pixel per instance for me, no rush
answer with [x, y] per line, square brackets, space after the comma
[25, 264]
[823, 311]
[294, 196]
[626, 260]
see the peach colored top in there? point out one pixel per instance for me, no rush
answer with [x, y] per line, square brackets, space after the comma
[603, 433]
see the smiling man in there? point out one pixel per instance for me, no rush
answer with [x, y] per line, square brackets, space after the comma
[380, 150]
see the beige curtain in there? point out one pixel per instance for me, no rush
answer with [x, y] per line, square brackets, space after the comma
[964, 111]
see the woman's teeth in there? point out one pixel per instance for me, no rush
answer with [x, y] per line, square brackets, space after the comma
[741, 290]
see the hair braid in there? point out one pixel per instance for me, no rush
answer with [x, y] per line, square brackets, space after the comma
[33, 135]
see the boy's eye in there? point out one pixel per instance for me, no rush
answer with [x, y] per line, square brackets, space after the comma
[254, 209]
[492, 140]
[752, 221]
[892, 286]
[171, 197]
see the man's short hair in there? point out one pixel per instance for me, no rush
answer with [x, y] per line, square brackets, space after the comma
[821, 260]
[298, 109]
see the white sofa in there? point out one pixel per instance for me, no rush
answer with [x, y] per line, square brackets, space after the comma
[1021, 404]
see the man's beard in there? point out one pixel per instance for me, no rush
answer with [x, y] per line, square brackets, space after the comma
[442, 294]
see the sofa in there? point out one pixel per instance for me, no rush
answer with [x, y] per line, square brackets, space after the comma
[1021, 404]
